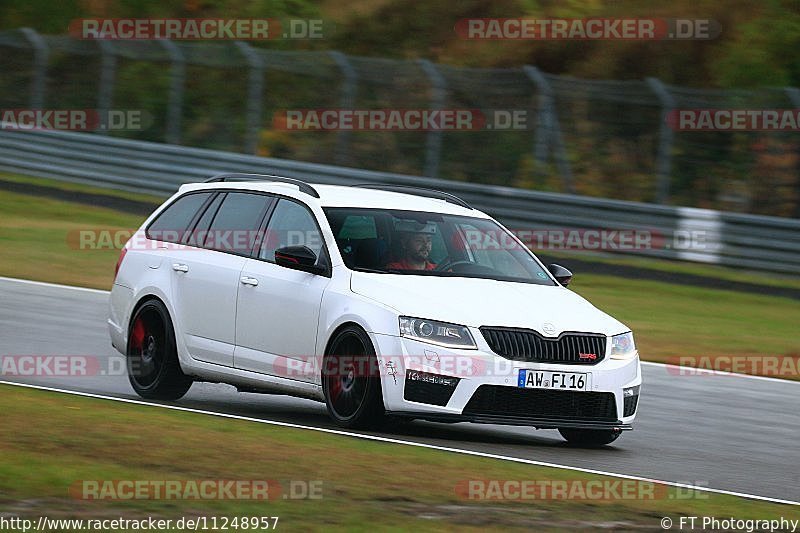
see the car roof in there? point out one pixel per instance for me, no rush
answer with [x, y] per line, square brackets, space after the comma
[346, 196]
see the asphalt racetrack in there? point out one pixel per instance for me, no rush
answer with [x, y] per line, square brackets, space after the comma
[725, 432]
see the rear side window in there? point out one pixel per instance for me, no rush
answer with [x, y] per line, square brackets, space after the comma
[236, 223]
[200, 232]
[172, 222]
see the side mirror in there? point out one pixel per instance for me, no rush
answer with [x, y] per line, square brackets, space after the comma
[298, 258]
[562, 275]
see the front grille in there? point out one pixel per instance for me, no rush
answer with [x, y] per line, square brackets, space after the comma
[529, 346]
[542, 403]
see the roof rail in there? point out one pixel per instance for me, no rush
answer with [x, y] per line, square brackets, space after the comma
[302, 185]
[421, 191]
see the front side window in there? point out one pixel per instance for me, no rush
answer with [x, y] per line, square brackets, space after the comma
[432, 244]
[291, 224]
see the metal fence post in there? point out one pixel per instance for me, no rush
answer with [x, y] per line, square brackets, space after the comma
[177, 76]
[548, 128]
[794, 97]
[542, 137]
[255, 88]
[793, 93]
[665, 138]
[105, 94]
[349, 88]
[40, 56]
[433, 148]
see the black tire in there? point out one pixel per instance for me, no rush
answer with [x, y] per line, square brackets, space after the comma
[354, 398]
[589, 438]
[152, 357]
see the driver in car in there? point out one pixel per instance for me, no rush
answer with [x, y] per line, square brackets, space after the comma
[415, 246]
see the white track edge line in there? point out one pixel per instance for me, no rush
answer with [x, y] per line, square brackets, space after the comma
[54, 285]
[406, 443]
[710, 373]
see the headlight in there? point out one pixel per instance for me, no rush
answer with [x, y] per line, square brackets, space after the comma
[622, 346]
[439, 333]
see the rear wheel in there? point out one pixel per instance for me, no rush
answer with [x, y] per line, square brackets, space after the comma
[351, 380]
[152, 357]
[589, 438]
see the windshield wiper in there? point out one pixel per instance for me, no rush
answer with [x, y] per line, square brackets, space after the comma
[382, 271]
[370, 270]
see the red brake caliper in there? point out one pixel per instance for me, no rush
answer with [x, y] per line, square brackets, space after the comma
[137, 335]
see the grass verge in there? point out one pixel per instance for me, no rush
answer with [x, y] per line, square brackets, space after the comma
[684, 267]
[82, 188]
[675, 320]
[53, 442]
[37, 240]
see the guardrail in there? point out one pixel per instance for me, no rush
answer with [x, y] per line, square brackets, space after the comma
[702, 235]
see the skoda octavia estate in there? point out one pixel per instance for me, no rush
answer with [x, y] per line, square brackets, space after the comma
[382, 301]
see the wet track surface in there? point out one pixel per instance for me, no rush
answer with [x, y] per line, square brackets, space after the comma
[725, 432]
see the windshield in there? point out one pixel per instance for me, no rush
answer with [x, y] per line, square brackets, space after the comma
[431, 244]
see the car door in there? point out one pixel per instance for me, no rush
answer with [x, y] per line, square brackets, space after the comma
[278, 307]
[206, 274]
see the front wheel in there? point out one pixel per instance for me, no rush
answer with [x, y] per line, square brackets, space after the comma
[153, 367]
[589, 438]
[351, 380]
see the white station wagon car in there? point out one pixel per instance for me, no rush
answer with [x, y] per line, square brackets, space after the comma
[383, 301]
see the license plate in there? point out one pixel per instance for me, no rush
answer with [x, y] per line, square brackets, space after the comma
[543, 379]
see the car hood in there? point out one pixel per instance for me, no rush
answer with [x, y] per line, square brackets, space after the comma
[483, 302]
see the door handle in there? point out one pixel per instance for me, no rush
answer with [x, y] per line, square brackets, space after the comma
[247, 280]
[180, 267]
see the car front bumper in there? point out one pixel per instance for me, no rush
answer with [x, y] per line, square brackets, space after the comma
[429, 382]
